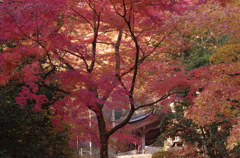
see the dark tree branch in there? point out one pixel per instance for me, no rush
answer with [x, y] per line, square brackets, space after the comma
[155, 102]
[94, 43]
[144, 57]
[81, 57]
[123, 123]
[64, 61]
[117, 46]
[236, 74]
[49, 72]
[37, 28]
[135, 69]
[132, 109]
[124, 7]
[106, 43]
[82, 17]
[93, 8]
[55, 89]
[117, 54]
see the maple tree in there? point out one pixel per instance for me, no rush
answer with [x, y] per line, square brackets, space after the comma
[210, 49]
[101, 55]
[214, 92]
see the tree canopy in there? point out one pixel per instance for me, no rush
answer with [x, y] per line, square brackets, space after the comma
[100, 56]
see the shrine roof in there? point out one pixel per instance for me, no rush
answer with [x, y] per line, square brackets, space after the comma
[139, 117]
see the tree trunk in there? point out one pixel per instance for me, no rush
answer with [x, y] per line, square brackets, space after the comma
[104, 148]
[103, 135]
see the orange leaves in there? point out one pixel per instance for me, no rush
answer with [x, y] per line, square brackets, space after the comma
[3, 79]
[217, 93]
[227, 53]
[210, 17]
[11, 61]
[8, 67]
[14, 63]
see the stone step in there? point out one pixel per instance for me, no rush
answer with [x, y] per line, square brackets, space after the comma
[135, 156]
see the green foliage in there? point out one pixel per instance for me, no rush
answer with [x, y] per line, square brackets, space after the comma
[198, 57]
[213, 137]
[159, 154]
[236, 151]
[198, 54]
[25, 133]
[202, 49]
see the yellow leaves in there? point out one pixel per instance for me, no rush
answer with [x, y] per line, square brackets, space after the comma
[210, 17]
[231, 1]
[227, 53]
[220, 94]
[207, 106]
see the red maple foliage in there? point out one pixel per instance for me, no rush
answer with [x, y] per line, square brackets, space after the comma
[101, 54]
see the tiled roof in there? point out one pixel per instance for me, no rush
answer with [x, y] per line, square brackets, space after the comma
[139, 117]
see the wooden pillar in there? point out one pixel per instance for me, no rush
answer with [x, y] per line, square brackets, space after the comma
[113, 118]
[143, 137]
[90, 141]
